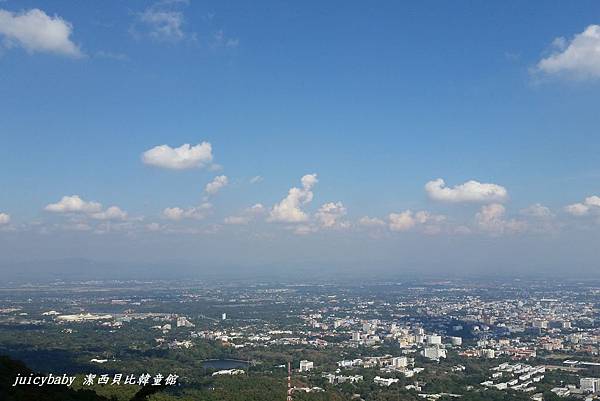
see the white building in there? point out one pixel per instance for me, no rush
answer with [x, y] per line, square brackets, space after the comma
[589, 384]
[400, 362]
[488, 353]
[434, 339]
[384, 382]
[434, 353]
[456, 340]
[306, 366]
[183, 322]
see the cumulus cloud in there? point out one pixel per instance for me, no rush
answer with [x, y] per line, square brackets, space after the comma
[424, 217]
[592, 201]
[154, 227]
[247, 216]
[74, 204]
[173, 213]
[37, 32]
[367, 221]
[112, 213]
[403, 221]
[589, 204]
[538, 210]
[4, 218]
[491, 218]
[80, 209]
[184, 157]
[470, 191]
[216, 184]
[330, 215]
[577, 209]
[177, 213]
[256, 209]
[289, 210]
[578, 58]
[407, 220]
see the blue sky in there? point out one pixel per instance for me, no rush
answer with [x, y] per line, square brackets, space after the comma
[376, 100]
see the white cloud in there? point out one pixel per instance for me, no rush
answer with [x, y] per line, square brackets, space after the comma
[183, 157]
[257, 208]
[578, 58]
[577, 209]
[289, 209]
[407, 220]
[79, 210]
[247, 216]
[538, 210]
[589, 204]
[216, 184]
[403, 221]
[164, 25]
[198, 213]
[35, 31]
[173, 213]
[256, 179]
[367, 221]
[4, 218]
[424, 217]
[73, 204]
[330, 214]
[162, 21]
[491, 219]
[112, 213]
[154, 227]
[470, 191]
[592, 201]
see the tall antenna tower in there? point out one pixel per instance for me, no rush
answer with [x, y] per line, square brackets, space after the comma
[289, 392]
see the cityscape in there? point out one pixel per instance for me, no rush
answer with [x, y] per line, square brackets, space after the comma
[413, 340]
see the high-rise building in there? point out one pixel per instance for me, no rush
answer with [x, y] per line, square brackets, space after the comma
[434, 353]
[400, 362]
[434, 339]
[589, 384]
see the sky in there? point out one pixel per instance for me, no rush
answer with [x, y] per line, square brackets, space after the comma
[425, 136]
